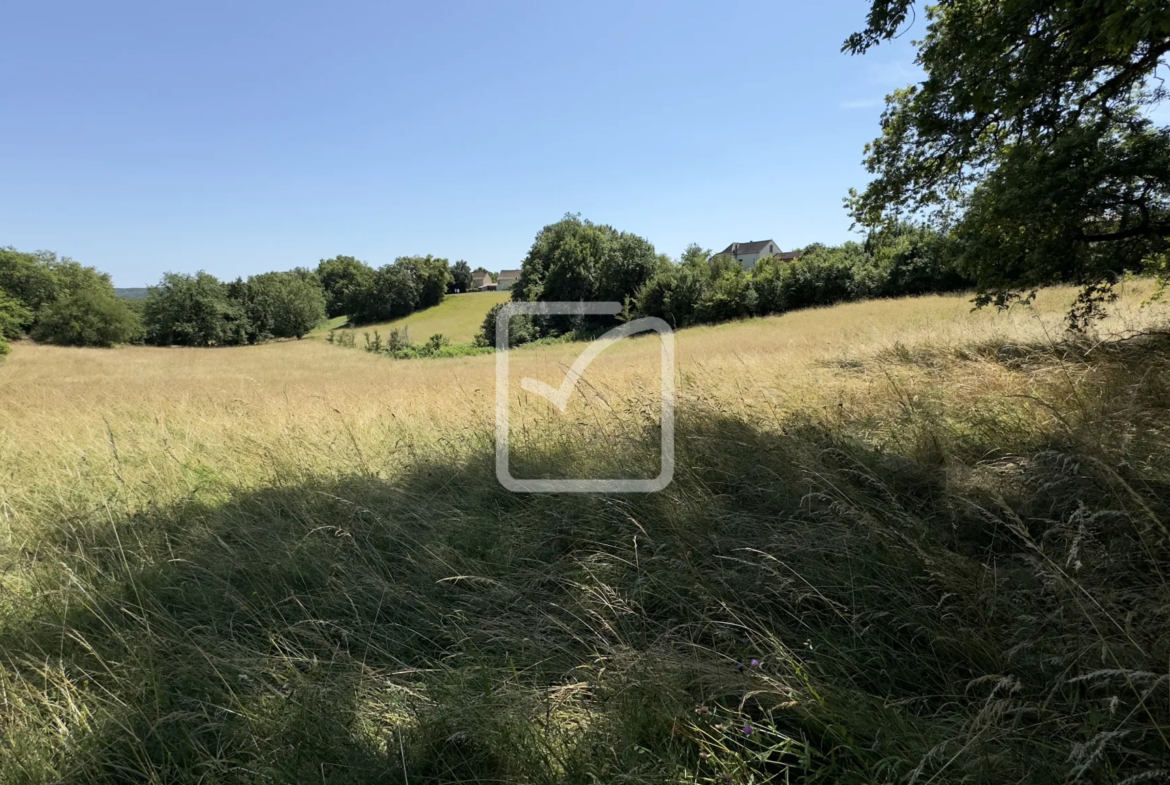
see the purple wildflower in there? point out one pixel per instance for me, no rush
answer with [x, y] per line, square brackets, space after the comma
[755, 663]
[747, 730]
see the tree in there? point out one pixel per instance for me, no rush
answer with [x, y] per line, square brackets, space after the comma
[280, 305]
[28, 278]
[14, 317]
[88, 316]
[1028, 139]
[578, 260]
[193, 310]
[343, 278]
[433, 276]
[393, 293]
[461, 277]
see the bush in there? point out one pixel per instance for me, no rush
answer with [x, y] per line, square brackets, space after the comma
[87, 317]
[521, 330]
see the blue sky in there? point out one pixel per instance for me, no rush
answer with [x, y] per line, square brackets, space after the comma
[251, 136]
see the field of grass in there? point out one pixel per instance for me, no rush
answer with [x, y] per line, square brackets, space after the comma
[905, 542]
[458, 317]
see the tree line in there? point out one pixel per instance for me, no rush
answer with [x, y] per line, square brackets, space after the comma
[577, 260]
[60, 301]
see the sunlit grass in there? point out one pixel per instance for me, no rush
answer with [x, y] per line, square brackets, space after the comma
[937, 533]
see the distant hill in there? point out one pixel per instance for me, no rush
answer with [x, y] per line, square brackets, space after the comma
[133, 293]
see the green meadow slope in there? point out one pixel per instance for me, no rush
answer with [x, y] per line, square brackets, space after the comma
[458, 317]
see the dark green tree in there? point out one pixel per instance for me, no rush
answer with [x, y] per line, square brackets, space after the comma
[280, 305]
[14, 317]
[578, 260]
[344, 279]
[1028, 140]
[432, 275]
[460, 277]
[87, 316]
[193, 310]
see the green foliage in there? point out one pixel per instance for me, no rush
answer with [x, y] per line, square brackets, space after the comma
[14, 316]
[522, 329]
[1029, 138]
[343, 278]
[4, 347]
[280, 305]
[193, 310]
[897, 261]
[29, 277]
[577, 260]
[394, 292]
[88, 316]
[58, 300]
[432, 275]
[461, 277]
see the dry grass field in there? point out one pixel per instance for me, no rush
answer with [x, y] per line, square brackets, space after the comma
[905, 542]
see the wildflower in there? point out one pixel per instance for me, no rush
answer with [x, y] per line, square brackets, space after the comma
[747, 730]
[739, 666]
[755, 663]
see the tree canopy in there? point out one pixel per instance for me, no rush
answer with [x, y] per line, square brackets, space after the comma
[1029, 139]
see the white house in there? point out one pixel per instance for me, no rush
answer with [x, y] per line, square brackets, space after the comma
[507, 279]
[748, 254]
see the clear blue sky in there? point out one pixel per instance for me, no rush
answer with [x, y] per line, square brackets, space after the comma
[243, 137]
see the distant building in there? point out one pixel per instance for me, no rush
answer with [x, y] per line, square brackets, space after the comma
[481, 280]
[507, 279]
[748, 254]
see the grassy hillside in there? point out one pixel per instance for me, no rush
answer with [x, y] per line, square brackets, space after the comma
[904, 542]
[458, 317]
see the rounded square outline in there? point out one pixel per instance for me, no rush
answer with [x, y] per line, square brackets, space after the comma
[503, 470]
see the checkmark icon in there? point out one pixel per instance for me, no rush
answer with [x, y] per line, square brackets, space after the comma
[559, 396]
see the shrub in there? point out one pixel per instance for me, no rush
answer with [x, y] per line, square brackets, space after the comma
[87, 317]
[521, 330]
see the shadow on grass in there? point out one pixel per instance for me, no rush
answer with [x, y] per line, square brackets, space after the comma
[796, 604]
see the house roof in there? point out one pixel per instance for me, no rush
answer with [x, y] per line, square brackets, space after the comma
[481, 275]
[509, 274]
[755, 246]
[788, 256]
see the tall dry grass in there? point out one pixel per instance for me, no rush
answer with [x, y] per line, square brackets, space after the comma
[905, 542]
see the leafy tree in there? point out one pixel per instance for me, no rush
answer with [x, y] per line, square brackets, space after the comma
[577, 260]
[432, 275]
[280, 305]
[1028, 139]
[344, 279]
[14, 317]
[87, 316]
[193, 310]
[4, 347]
[28, 278]
[695, 254]
[460, 277]
[393, 293]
